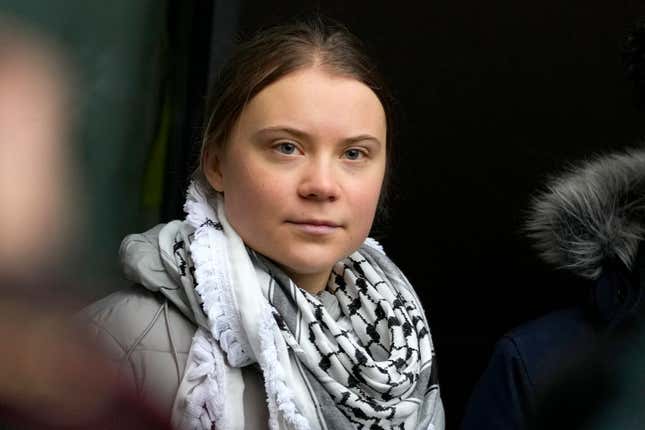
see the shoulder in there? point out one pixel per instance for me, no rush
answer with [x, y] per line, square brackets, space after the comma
[545, 344]
[146, 337]
[529, 356]
[122, 302]
[503, 396]
[136, 318]
[525, 361]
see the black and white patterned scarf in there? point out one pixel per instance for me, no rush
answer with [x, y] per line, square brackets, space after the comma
[357, 355]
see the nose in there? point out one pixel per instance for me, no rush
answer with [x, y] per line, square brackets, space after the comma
[319, 182]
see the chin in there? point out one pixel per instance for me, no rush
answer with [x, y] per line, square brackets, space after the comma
[304, 268]
[302, 263]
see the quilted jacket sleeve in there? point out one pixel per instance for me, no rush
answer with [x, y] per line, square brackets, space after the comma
[146, 337]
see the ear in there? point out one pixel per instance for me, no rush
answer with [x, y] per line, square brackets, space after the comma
[212, 170]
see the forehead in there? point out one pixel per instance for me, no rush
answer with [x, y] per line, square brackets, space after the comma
[319, 102]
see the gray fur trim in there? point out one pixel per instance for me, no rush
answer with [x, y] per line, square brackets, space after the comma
[592, 213]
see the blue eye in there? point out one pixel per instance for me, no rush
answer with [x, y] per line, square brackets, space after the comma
[353, 154]
[286, 148]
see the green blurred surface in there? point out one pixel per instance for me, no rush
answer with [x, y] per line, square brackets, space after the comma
[116, 50]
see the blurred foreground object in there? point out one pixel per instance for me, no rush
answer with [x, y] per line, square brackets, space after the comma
[34, 175]
[50, 376]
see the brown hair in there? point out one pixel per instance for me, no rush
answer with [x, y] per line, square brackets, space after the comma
[272, 54]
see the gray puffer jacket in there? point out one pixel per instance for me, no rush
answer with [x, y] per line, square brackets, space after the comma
[148, 329]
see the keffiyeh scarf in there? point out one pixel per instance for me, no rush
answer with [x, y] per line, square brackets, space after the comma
[357, 355]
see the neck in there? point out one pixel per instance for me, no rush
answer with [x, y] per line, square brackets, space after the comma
[311, 282]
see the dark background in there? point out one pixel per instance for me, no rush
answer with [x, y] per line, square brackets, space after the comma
[494, 96]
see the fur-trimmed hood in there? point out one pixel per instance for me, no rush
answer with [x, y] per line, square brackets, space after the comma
[592, 215]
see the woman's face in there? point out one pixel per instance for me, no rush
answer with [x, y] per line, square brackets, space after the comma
[303, 169]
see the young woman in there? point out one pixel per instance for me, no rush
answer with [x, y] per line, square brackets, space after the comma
[269, 305]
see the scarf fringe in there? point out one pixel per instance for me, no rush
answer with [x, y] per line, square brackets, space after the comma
[279, 395]
[209, 390]
[210, 258]
[374, 244]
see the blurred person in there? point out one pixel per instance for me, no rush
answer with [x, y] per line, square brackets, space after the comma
[269, 306]
[605, 390]
[51, 376]
[590, 222]
[580, 368]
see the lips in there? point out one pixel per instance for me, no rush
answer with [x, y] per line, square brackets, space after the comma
[315, 222]
[314, 226]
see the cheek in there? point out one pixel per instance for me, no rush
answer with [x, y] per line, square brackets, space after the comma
[252, 196]
[364, 202]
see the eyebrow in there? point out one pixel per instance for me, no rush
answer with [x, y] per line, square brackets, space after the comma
[304, 135]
